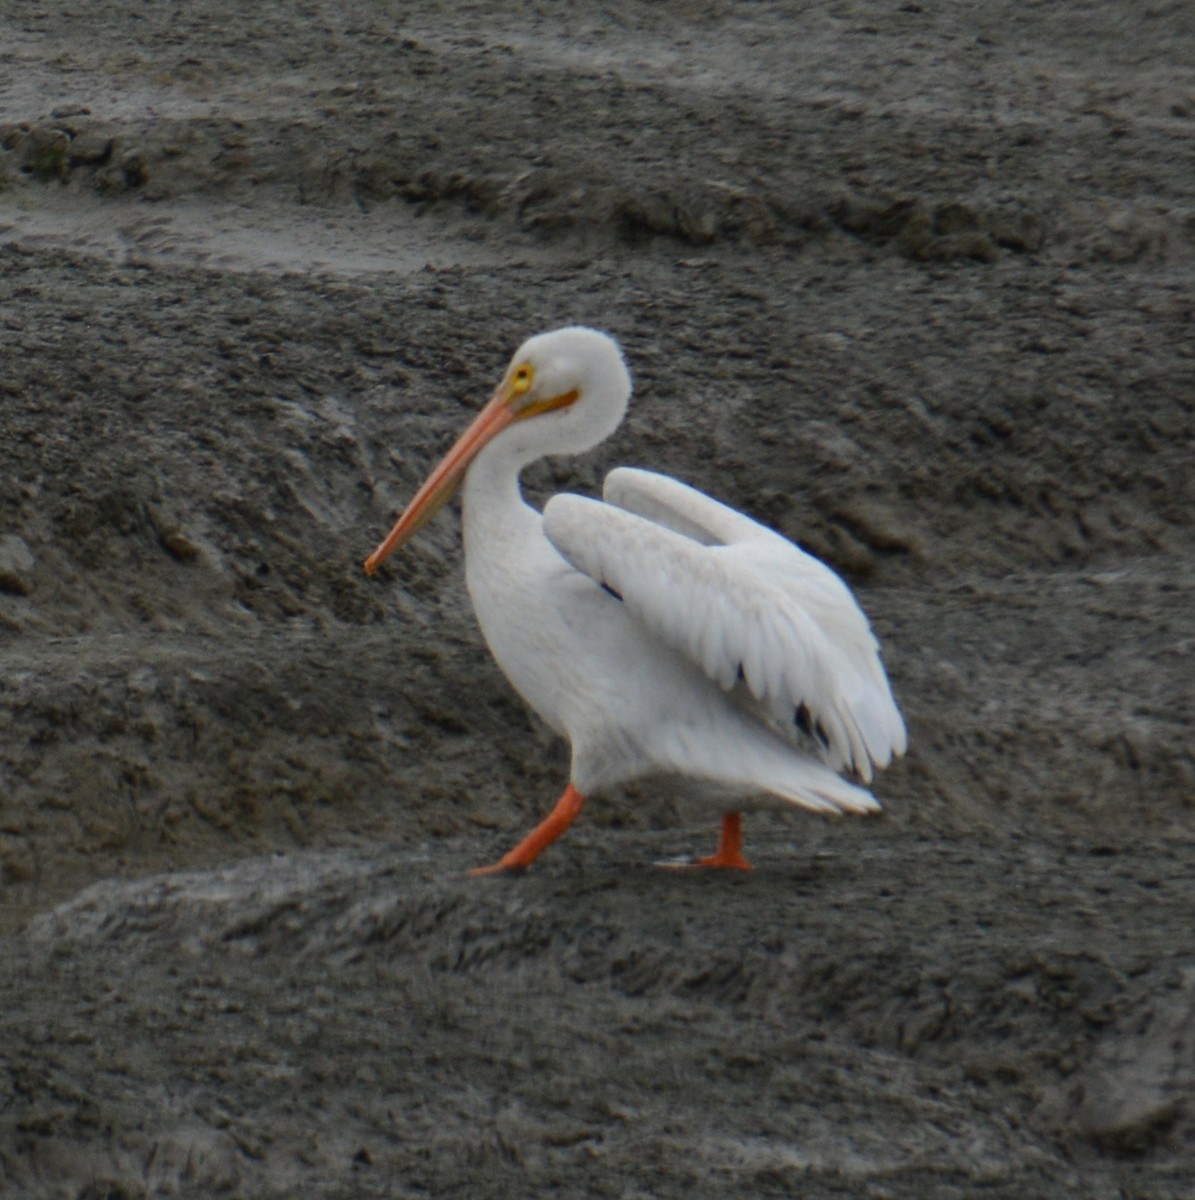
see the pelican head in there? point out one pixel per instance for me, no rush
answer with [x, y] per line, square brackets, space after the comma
[563, 393]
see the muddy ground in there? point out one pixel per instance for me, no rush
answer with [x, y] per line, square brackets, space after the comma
[913, 283]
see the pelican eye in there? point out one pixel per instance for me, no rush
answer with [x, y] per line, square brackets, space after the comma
[524, 377]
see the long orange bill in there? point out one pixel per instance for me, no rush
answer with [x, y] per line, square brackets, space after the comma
[441, 484]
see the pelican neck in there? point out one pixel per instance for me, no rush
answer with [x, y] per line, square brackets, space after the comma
[493, 507]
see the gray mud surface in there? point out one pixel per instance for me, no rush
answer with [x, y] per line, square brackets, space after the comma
[910, 282]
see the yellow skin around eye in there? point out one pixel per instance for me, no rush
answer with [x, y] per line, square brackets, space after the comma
[521, 383]
[549, 404]
[523, 379]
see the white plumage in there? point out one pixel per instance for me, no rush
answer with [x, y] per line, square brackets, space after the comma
[661, 632]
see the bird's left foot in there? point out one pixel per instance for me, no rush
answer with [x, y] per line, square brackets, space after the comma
[501, 867]
[540, 838]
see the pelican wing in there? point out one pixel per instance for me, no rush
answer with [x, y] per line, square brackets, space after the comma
[743, 603]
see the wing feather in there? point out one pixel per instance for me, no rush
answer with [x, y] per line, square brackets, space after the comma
[681, 508]
[743, 603]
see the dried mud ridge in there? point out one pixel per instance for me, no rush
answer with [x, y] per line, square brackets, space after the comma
[915, 288]
[77, 153]
[968, 1058]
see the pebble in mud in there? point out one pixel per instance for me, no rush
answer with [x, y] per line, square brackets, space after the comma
[16, 565]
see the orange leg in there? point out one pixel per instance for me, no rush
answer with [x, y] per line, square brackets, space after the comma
[730, 846]
[541, 837]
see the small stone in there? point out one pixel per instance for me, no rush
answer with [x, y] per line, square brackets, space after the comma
[1128, 1120]
[955, 218]
[16, 565]
[134, 168]
[44, 153]
[90, 149]
[1018, 229]
[176, 542]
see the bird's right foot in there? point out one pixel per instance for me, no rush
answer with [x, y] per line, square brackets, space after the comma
[729, 854]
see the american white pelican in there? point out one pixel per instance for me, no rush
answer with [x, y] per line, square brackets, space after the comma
[662, 633]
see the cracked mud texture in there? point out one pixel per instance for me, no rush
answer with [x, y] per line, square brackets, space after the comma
[911, 283]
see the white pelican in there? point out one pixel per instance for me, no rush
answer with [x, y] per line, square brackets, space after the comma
[662, 633]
